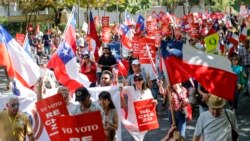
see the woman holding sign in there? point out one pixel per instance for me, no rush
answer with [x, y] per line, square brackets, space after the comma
[135, 93]
[111, 117]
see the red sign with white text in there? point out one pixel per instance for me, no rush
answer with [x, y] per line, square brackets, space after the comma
[146, 115]
[105, 21]
[105, 34]
[157, 34]
[151, 26]
[20, 38]
[143, 55]
[136, 45]
[83, 127]
[48, 109]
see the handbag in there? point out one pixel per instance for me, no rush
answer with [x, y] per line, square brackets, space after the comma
[234, 133]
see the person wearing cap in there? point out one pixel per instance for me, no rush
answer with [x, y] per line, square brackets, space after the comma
[131, 58]
[106, 61]
[85, 105]
[88, 68]
[138, 91]
[214, 124]
[15, 125]
[137, 70]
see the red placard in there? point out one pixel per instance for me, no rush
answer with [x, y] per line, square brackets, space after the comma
[105, 34]
[20, 38]
[50, 108]
[105, 21]
[151, 26]
[146, 115]
[83, 127]
[136, 45]
[157, 34]
[143, 55]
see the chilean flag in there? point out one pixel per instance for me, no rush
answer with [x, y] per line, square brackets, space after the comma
[243, 31]
[25, 69]
[126, 36]
[212, 71]
[64, 63]
[94, 40]
[140, 26]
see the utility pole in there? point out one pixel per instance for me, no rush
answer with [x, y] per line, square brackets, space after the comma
[78, 16]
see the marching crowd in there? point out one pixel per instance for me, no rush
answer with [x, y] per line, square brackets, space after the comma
[215, 123]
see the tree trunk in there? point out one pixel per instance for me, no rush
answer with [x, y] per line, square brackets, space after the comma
[202, 5]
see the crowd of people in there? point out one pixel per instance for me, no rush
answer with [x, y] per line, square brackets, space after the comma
[214, 122]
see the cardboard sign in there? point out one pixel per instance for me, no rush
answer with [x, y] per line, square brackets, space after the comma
[105, 35]
[50, 108]
[143, 55]
[83, 127]
[136, 46]
[20, 38]
[151, 26]
[105, 21]
[157, 34]
[146, 115]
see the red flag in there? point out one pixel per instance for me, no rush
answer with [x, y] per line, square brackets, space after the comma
[122, 70]
[92, 33]
[5, 59]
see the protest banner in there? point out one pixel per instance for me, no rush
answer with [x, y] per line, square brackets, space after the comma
[105, 21]
[20, 38]
[143, 54]
[48, 109]
[157, 34]
[105, 34]
[151, 26]
[136, 46]
[146, 115]
[83, 127]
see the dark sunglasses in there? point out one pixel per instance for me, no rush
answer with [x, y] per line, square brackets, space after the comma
[138, 79]
[85, 58]
[15, 105]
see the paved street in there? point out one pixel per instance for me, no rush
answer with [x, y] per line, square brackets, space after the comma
[243, 119]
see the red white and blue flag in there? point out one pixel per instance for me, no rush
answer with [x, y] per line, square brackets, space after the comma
[212, 71]
[25, 69]
[64, 63]
[140, 26]
[243, 31]
[126, 36]
[128, 21]
[94, 43]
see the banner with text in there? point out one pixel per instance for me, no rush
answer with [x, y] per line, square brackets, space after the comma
[105, 21]
[20, 38]
[144, 58]
[136, 46]
[48, 109]
[83, 127]
[146, 115]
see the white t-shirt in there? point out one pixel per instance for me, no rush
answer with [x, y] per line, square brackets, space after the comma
[215, 128]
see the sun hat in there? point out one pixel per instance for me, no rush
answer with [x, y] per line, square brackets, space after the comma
[215, 101]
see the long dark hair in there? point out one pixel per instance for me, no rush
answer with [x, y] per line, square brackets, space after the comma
[106, 95]
[144, 86]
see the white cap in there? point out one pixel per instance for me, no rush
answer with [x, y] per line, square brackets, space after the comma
[135, 62]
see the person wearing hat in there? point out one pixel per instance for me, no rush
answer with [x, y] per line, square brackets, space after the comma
[138, 91]
[88, 68]
[85, 105]
[131, 58]
[214, 124]
[107, 61]
[136, 67]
